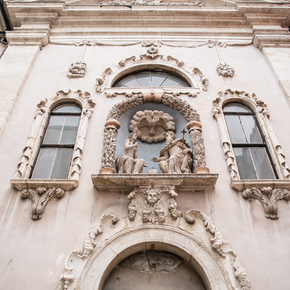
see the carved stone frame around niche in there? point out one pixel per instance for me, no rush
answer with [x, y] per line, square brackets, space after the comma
[201, 179]
[198, 81]
[268, 192]
[41, 191]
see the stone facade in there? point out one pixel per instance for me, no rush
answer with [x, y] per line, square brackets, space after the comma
[74, 233]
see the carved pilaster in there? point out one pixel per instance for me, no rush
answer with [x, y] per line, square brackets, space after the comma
[40, 197]
[195, 132]
[268, 197]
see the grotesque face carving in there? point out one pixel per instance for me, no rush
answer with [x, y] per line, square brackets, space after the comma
[152, 197]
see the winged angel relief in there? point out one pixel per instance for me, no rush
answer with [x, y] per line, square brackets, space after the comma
[151, 126]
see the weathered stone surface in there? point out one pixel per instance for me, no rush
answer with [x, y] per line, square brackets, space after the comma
[126, 182]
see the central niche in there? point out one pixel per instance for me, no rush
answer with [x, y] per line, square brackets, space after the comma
[145, 150]
[153, 270]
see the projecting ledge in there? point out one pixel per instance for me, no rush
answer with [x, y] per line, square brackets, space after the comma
[241, 185]
[126, 182]
[65, 184]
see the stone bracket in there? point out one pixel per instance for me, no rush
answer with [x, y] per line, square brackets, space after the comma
[40, 198]
[127, 182]
[268, 192]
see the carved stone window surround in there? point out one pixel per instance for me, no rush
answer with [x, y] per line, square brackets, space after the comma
[38, 188]
[267, 191]
[194, 77]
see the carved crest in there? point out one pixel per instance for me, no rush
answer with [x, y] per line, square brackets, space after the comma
[153, 204]
[151, 126]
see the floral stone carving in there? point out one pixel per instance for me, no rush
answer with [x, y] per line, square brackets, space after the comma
[40, 197]
[176, 155]
[153, 204]
[268, 197]
[151, 126]
[77, 70]
[225, 70]
[128, 161]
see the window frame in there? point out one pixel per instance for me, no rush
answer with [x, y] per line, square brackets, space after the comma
[262, 115]
[21, 180]
[250, 145]
[42, 138]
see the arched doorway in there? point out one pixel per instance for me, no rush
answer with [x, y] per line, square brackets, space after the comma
[154, 270]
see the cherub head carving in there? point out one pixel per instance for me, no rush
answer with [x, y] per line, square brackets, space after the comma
[151, 196]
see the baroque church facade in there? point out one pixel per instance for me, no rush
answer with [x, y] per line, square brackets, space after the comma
[145, 145]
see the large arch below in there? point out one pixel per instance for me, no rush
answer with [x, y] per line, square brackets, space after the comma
[193, 238]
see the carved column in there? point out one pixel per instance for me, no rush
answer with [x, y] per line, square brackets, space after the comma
[195, 131]
[109, 146]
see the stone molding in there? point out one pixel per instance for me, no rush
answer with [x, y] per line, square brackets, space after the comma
[127, 182]
[225, 70]
[262, 114]
[191, 235]
[110, 134]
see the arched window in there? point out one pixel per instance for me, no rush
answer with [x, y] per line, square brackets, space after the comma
[55, 154]
[248, 143]
[151, 79]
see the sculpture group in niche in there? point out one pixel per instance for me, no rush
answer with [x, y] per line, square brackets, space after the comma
[176, 155]
[151, 126]
[128, 161]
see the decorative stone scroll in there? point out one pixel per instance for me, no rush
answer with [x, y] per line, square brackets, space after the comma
[263, 116]
[153, 218]
[151, 126]
[77, 70]
[110, 134]
[40, 197]
[268, 197]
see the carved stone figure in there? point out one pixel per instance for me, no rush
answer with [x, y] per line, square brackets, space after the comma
[151, 126]
[77, 70]
[176, 156]
[128, 162]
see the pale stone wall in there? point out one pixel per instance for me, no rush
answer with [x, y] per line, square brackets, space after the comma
[279, 61]
[34, 252]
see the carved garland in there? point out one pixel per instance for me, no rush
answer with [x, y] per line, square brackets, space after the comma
[112, 125]
[41, 195]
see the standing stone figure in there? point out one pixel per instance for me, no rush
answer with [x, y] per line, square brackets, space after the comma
[128, 162]
[176, 155]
